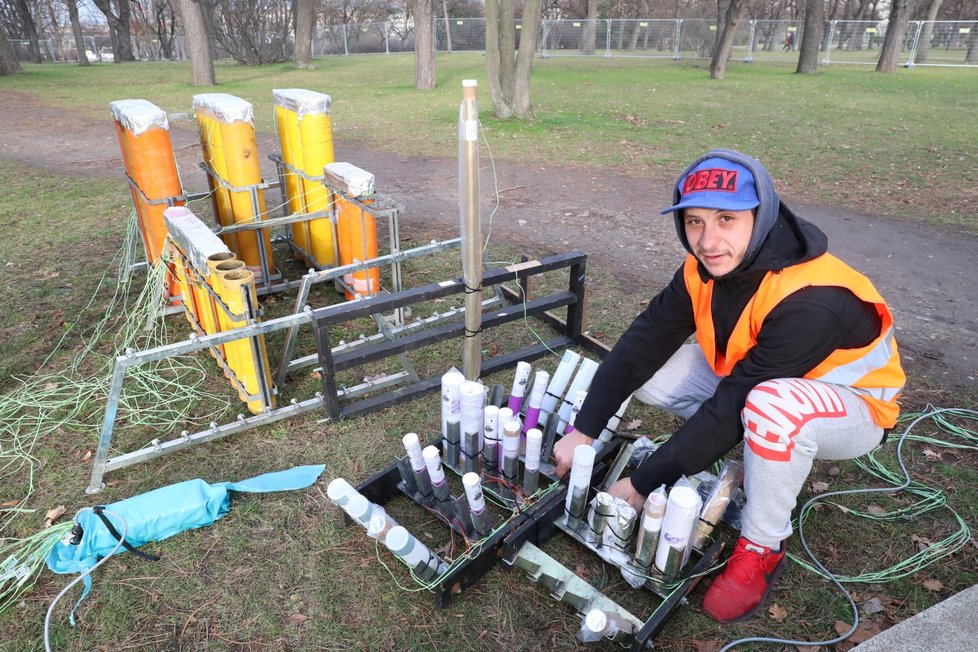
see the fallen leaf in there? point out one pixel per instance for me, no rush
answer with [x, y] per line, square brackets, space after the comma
[873, 606]
[53, 515]
[316, 375]
[819, 487]
[705, 646]
[933, 585]
[842, 626]
[808, 648]
[876, 509]
[634, 424]
[778, 613]
[298, 619]
[87, 456]
[863, 634]
[581, 571]
[931, 455]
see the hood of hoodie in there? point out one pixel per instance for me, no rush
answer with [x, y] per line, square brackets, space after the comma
[779, 238]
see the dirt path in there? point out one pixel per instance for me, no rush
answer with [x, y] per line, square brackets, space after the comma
[925, 273]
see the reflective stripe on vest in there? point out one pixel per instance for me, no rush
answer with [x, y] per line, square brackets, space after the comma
[872, 371]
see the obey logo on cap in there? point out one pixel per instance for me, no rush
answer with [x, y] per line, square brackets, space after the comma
[715, 179]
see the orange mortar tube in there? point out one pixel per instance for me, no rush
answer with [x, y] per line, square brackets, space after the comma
[244, 169]
[235, 284]
[120, 133]
[289, 142]
[358, 242]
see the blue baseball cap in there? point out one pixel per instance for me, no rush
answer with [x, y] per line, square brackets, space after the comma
[717, 183]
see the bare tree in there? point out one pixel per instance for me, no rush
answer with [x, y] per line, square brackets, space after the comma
[254, 32]
[923, 47]
[305, 24]
[76, 30]
[424, 44]
[811, 38]
[735, 12]
[198, 45]
[509, 75]
[8, 60]
[590, 35]
[119, 29]
[29, 29]
[900, 11]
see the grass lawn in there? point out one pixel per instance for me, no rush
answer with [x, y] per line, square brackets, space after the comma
[280, 571]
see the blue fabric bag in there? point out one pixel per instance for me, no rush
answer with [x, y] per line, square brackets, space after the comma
[161, 513]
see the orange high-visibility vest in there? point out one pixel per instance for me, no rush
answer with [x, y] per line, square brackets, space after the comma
[873, 371]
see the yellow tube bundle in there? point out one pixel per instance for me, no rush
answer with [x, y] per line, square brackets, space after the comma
[305, 131]
[227, 137]
[247, 356]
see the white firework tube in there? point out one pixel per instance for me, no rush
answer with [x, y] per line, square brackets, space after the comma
[520, 380]
[491, 438]
[580, 479]
[360, 509]
[380, 524]
[682, 511]
[412, 445]
[511, 450]
[535, 402]
[622, 526]
[340, 491]
[649, 527]
[582, 381]
[575, 410]
[602, 510]
[477, 503]
[451, 415]
[612, 427]
[598, 624]
[432, 460]
[413, 553]
[472, 399]
[531, 461]
[558, 383]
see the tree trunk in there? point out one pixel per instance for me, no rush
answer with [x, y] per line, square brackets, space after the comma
[30, 30]
[118, 29]
[448, 28]
[811, 38]
[735, 11]
[507, 48]
[532, 11]
[424, 43]
[923, 45]
[722, 7]
[900, 11]
[493, 62]
[305, 21]
[509, 78]
[590, 35]
[8, 60]
[77, 31]
[198, 44]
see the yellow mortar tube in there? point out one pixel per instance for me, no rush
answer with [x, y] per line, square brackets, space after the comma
[316, 135]
[213, 152]
[218, 269]
[236, 284]
[189, 300]
[288, 134]
[244, 169]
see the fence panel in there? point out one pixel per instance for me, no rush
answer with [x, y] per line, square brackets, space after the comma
[572, 38]
[643, 38]
[460, 35]
[946, 43]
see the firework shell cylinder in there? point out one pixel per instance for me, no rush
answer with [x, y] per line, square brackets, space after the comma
[412, 446]
[730, 478]
[535, 402]
[250, 360]
[649, 527]
[164, 512]
[675, 537]
[598, 624]
[439, 484]
[491, 438]
[558, 384]
[520, 380]
[481, 520]
[234, 118]
[531, 461]
[147, 152]
[470, 226]
[308, 133]
[575, 410]
[511, 451]
[602, 510]
[415, 554]
[622, 526]
[472, 398]
[451, 415]
[580, 479]
[581, 383]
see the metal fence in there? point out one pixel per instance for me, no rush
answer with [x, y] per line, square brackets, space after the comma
[935, 43]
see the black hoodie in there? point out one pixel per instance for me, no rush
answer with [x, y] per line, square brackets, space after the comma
[797, 335]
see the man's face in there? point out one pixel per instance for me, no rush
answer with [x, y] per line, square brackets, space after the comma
[718, 239]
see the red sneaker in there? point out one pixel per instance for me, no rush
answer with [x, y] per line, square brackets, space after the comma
[739, 591]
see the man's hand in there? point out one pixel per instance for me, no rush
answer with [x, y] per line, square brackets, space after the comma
[623, 489]
[564, 450]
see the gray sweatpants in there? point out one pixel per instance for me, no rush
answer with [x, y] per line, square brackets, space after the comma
[788, 423]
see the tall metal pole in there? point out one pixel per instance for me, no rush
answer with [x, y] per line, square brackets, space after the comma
[470, 218]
